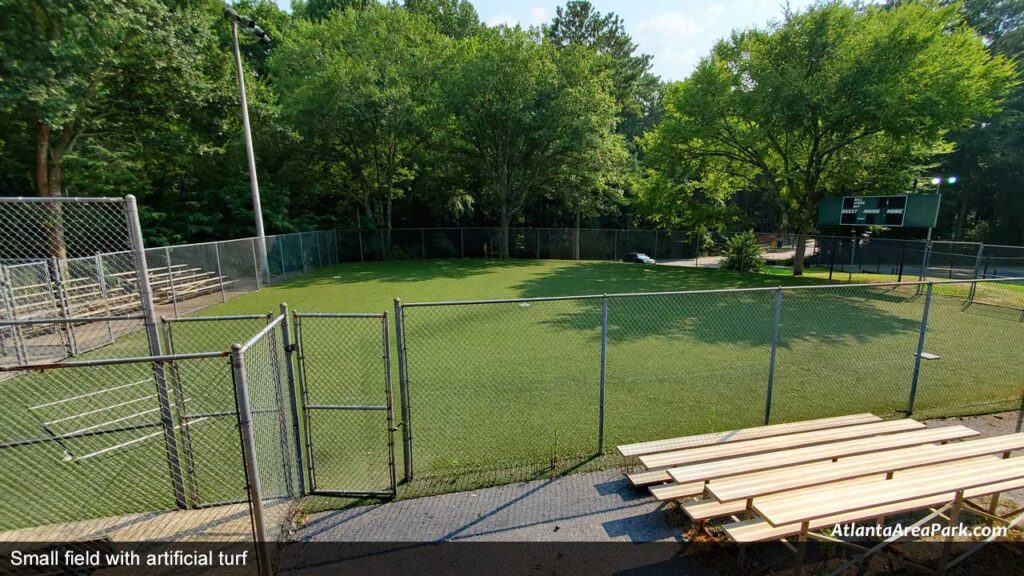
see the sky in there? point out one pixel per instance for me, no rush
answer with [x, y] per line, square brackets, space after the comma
[677, 33]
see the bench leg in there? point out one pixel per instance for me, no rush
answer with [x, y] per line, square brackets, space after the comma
[801, 549]
[954, 520]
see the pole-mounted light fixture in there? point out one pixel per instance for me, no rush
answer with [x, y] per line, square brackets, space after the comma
[250, 26]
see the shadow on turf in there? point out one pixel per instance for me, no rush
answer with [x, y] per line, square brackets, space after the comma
[819, 316]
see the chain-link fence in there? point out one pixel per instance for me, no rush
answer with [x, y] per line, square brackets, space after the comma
[913, 259]
[69, 276]
[502, 390]
[345, 377]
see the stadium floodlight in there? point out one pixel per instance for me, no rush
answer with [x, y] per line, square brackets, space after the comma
[249, 25]
[939, 180]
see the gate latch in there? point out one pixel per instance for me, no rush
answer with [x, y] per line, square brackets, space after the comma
[291, 348]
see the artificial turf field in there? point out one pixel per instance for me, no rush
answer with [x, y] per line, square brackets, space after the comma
[501, 392]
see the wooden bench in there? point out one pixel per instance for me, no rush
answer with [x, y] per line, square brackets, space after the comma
[673, 491]
[644, 448]
[759, 530]
[788, 441]
[763, 483]
[828, 500]
[817, 453]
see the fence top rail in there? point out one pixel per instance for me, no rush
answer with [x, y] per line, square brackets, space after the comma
[113, 361]
[270, 326]
[168, 320]
[337, 315]
[58, 199]
[712, 291]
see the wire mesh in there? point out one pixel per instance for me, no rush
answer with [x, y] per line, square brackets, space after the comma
[846, 350]
[975, 332]
[273, 427]
[60, 259]
[684, 364]
[84, 452]
[347, 403]
[482, 377]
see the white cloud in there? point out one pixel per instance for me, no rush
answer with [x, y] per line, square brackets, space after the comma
[716, 9]
[668, 27]
[506, 19]
[538, 15]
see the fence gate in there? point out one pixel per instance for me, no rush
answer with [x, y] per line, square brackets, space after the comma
[345, 379]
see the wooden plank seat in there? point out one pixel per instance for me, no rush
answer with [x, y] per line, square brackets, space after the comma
[829, 500]
[205, 288]
[759, 530]
[671, 444]
[675, 491]
[186, 281]
[816, 453]
[762, 483]
[786, 442]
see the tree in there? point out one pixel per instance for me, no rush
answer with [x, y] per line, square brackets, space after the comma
[361, 89]
[635, 89]
[453, 18]
[832, 100]
[988, 201]
[522, 112]
[87, 82]
[317, 10]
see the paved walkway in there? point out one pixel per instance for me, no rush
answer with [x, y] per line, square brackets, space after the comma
[592, 507]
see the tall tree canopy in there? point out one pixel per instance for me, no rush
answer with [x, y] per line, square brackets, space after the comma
[522, 111]
[361, 89]
[833, 99]
[634, 86]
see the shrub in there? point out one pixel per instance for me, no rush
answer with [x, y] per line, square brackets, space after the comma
[743, 253]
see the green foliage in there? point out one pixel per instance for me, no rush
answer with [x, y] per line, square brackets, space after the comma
[453, 18]
[360, 87]
[833, 100]
[743, 253]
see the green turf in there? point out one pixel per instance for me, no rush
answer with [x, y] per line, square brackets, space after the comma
[503, 391]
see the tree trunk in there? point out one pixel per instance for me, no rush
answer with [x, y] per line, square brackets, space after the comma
[961, 216]
[49, 179]
[798, 255]
[387, 217]
[506, 220]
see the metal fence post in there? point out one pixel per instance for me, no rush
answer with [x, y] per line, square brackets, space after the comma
[153, 337]
[423, 243]
[319, 255]
[403, 390]
[1020, 414]
[170, 280]
[248, 440]
[462, 243]
[64, 304]
[256, 265]
[920, 350]
[604, 372]
[302, 252]
[220, 276]
[289, 359]
[281, 252]
[7, 295]
[101, 280]
[771, 361]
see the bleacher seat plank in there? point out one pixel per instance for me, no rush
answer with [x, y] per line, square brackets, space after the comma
[670, 444]
[675, 491]
[772, 481]
[789, 441]
[816, 453]
[711, 509]
[759, 530]
[648, 477]
[827, 500]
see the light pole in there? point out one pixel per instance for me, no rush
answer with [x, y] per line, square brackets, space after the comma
[938, 180]
[250, 26]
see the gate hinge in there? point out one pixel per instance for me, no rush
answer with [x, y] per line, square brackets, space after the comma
[291, 348]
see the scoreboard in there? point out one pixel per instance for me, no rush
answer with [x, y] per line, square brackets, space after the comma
[909, 211]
